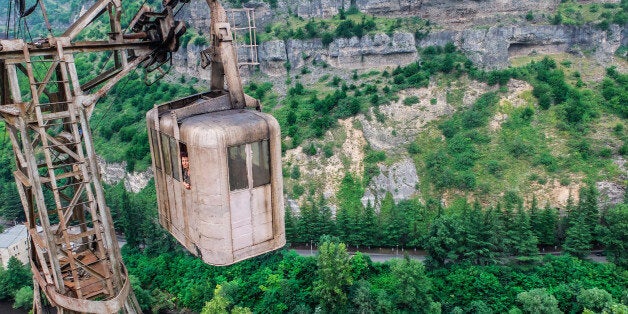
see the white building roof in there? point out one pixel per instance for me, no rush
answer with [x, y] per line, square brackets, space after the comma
[12, 235]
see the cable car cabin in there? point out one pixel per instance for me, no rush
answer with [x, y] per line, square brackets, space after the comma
[227, 205]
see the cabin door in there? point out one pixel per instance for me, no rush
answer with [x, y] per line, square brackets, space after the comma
[250, 201]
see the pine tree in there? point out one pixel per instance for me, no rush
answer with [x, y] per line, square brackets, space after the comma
[587, 207]
[578, 238]
[479, 245]
[386, 220]
[548, 226]
[350, 208]
[615, 235]
[525, 241]
[291, 226]
[326, 220]
[369, 230]
[305, 224]
[131, 217]
[333, 276]
[535, 219]
[444, 241]
[342, 221]
[510, 231]
[566, 219]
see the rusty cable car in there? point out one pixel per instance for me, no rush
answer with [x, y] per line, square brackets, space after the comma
[227, 205]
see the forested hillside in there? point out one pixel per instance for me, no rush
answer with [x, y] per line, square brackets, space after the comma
[407, 145]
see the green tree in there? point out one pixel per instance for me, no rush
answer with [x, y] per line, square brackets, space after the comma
[480, 242]
[588, 208]
[24, 298]
[363, 299]
[143, 297]
[333, 276]
[538, 301]
[615, 234]
[547, 226]
[350, 211]
[525, 240]
[369, 230]
[595, 299]
[130, 218]
[411, 286]
[444, 241]
[220, 304]
[291, 225]
[13, 278]
[578, 239]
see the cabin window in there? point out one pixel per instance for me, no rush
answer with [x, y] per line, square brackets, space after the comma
[237, 167]
[261, 163]
[165, 151]
[175, 159]
[259, 155]
[156, 151]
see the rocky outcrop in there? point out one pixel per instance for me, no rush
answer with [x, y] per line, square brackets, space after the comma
[399, 179]
[347, 53]
[113, 172]
[188, 62]
[493, 47]
[489, 47]
[613, 193]
[273, 57]
[445, 12]
[372, 51]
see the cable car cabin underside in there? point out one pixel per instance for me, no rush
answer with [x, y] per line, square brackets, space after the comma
[228, 205]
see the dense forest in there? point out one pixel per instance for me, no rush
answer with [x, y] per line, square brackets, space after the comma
[482, 260]
[494, 249]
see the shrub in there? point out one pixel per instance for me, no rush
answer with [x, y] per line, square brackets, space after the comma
[414, 148]
[411, 100]
[310, 150]
[605, 152]
[327, 38]
[297, 190]
[529, 16]
[295, 173]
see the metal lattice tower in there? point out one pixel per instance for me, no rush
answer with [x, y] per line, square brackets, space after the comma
[75, 257]
[74, 254]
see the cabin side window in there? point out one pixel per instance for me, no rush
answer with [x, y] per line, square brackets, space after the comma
[237, 167]
[259, 153]
[165, 151]
[261, 163]
[175, 159]
[157, 152]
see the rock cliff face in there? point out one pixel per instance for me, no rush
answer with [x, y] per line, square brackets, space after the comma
[489, 47]
[372, 51]
[113, 172]
[400, 180]
[457, 14]
[492, 47]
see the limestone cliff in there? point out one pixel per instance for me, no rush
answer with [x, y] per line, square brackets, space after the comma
[112, 173]
[493, 47]
[453, 14]
[461, 22]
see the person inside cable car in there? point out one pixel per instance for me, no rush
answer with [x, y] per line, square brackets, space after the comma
[185, 166]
